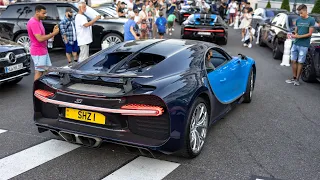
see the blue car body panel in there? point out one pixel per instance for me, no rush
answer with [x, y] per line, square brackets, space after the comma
[177, 81]
[212, 17]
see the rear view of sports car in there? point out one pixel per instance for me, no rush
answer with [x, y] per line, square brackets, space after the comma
[160, 95]
[207, 27]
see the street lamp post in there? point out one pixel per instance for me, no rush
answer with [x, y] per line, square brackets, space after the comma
[294, 8]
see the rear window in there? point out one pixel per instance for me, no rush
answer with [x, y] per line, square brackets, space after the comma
[270, 13]
[18, 12]
[114, 62]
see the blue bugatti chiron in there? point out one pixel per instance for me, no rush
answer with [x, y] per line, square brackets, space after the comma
[156, 94]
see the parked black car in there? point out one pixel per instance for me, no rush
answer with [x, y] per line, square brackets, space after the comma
[274, 33]
[14, 62]
[185, 12]
[264, 15]
[13, 23]
[311, 68]
[208, 27]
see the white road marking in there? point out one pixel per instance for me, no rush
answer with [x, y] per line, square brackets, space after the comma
[259, 179]
[143, 168]
[2, 131]
[32, 157]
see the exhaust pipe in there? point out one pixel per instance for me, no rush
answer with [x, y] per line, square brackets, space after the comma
[80, 139]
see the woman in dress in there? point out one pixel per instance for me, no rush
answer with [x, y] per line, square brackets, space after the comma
[245, 22]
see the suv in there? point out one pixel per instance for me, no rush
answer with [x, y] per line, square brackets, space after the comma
[13, 23]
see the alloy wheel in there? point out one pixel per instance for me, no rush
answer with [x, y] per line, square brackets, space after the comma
[24, 41]
[306, 69]
[198, 127]
[112, 40]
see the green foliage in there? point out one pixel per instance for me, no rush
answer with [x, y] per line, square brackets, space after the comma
[268, 5]
[285, 5]
[316, 7]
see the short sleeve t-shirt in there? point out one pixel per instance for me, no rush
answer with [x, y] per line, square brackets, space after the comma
[84, 34]
[233, 7]
[37, 48]
[127, 33]
[161, 24]
[171, 17]
[303, 26]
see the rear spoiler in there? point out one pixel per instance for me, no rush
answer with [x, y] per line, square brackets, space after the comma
[66, 71]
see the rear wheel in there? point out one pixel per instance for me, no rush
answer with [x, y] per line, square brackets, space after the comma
[112, 39]
[196, 130]
[308, 73]
[261, 43]
[223, 41]
[276, 50]
[24, 40]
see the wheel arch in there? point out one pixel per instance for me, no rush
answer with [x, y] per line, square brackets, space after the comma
[16, 34]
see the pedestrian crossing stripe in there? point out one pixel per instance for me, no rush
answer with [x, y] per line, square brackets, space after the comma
[2, 131]
[143, 168]
[32, 157]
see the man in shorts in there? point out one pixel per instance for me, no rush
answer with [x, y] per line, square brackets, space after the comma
[161, 24]
[69, 36]
[38, 39]
[303, 32]
[232, 11]
[171, 19]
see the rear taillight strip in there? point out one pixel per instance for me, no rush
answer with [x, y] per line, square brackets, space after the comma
[205, 30]
[134, 112]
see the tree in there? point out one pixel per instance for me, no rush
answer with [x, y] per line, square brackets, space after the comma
[316, 7]
[268, 4]
[285, 5]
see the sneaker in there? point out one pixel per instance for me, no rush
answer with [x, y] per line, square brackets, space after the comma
[290, 81]
[250, 45]
[242, 40]
[172, 29]
[245, 45]
[296, 83]
[170, 34]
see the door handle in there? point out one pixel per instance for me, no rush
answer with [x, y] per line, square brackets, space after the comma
[223, 80]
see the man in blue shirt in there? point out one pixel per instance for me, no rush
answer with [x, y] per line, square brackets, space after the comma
[129, 32]
[302, 36]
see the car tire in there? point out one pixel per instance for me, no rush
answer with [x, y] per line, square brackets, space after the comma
[13, 82]
[308, 73]
[190, 150]
[22, 39]
[276, 53]
[261, 43]
[249, 90]
[224, 41]
[112, 38]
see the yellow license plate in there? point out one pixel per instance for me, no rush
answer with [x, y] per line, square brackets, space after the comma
[86, 116]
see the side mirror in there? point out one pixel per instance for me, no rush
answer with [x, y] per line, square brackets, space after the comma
[243, 57]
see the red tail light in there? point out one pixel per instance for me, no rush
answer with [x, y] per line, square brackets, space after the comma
[205, 30]
[186, 15]
[44, 93]
[146, 110]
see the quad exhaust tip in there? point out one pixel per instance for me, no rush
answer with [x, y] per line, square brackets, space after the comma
[81, 139]
[89, 141]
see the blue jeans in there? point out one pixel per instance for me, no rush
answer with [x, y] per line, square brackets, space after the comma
[299, 53]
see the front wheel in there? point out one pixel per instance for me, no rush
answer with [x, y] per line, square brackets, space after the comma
[276, 50]
[250, 86]
[196, 130]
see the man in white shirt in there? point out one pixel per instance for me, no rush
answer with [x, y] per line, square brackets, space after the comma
[204, 7]
[84, 31]
[232, 11]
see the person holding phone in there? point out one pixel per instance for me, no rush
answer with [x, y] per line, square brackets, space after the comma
[69, 36]
[38, 38]
[302, 37]
[84, 31]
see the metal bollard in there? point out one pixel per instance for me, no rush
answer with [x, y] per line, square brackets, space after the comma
[286, 53]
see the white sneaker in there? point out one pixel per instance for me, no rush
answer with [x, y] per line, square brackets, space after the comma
[172, 29]
[250, 45]
[245, 45]
[170, 34]
[242, 40]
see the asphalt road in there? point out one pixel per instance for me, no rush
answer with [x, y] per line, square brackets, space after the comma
[275, 136]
